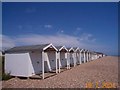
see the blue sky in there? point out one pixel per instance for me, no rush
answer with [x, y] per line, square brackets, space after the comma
[90, 25]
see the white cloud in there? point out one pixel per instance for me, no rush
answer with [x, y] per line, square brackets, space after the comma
[58, 39]
[78, 28]
[86, 37]
[77, 31]
[48, 26]
[62, 31]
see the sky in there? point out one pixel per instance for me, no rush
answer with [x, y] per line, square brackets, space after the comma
[89, 25]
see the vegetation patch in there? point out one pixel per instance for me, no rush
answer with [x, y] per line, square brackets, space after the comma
[6, 76]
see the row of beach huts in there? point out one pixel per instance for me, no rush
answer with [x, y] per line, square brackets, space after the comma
[26, 61]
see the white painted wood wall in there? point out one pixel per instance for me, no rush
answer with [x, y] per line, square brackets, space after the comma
[18, 64]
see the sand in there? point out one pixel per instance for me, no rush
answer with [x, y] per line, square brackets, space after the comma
[98, 71]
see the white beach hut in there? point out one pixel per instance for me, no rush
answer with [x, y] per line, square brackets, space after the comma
[77, 55]
[63, 57]
[72, 56]
[26, 61]
[87, 55]
[94, 55]
[81, 56]
[104, 54]
[100, 55]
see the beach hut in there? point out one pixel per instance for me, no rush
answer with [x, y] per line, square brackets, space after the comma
[77, 55]
[72, 56]
[82, 55]
[104, 55]
[63, 57]
[94, 55]
[26, 61]
[100, 55]
[87, 55]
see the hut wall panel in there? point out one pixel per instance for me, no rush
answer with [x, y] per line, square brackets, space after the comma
[63, 59]
[71, 58]
[17, 64]
[51, 57]
[36, 62]
[47, 63]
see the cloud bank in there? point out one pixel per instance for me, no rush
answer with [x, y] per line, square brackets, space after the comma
[84, 41]
[58, 39]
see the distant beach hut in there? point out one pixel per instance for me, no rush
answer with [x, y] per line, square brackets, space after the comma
[87, 55]
[99, 54]
[26, 61]
[103, 55]
[94, 55]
